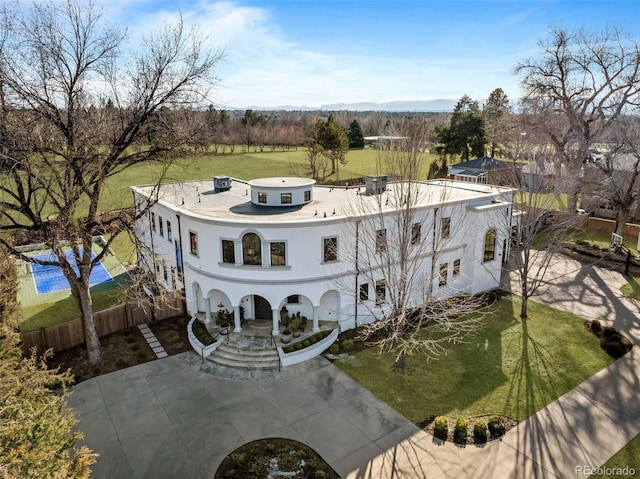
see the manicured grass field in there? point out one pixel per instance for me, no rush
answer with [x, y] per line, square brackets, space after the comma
[512, 367]
[246, 166]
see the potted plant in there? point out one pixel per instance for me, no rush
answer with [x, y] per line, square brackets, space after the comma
[303, 322]
[285, 336]
[295, 327]
[223, 316]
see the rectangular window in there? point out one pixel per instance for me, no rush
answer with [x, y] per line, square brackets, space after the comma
[285, 198]
[381, 291]
[444, 270]
[364, 291]
[456, 267]
[157, 263]
[173, 277]
[330, 249]
[193, 241]
[293, 299]
[169, 229]
[262, 197]
[278, 257]
[416, 230]
[165, 273]
[153, 221]
[307, 195]
[161, 225]
[381, 241]
[228, 252]
[445, 231]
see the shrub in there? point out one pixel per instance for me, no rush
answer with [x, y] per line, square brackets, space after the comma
[306, 343]
[441, 427]
[334, 349]
[480, 431]
[122, 363]
[238, 459]
[313, 340]
[460, 430]
[347, 344]
[301, 453]
[614, 349]
[497, 427]
[298, 346]
[201, 333]
[231, 473]
[270, 447]
[320, 475]
[311, 465]
[608, 331]
[130, 339]
[596, 327]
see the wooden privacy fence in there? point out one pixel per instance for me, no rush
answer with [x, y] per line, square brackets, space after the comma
[117, 318]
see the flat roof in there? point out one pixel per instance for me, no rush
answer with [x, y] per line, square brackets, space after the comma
[198, 198]
[281, 182]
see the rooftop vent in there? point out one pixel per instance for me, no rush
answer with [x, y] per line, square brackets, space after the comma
[374, 185]
[221, 183]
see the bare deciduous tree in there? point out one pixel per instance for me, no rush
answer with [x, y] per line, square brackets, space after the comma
[612, 176]
[582, 82]
[401, 244]
[76, 114]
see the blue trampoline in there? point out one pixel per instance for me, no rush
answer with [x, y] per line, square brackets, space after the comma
[49, 279]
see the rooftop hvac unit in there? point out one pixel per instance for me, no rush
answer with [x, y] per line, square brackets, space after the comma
[221, 183]
[374, 185]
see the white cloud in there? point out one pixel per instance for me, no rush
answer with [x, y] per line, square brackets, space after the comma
[263, 68]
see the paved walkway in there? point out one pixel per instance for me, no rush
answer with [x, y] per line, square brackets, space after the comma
[176, 418]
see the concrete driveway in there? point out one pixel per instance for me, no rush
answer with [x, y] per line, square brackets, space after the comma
[171, 418]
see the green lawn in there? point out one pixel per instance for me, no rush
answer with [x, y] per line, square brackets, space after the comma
[628, 456]
[49, 314]
[246, 166]
[513, 367]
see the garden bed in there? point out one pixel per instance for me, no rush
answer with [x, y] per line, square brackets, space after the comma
[275, 457]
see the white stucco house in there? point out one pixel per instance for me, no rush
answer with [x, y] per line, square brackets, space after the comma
[256, 246]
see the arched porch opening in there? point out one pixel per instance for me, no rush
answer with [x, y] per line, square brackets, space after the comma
[329, 309]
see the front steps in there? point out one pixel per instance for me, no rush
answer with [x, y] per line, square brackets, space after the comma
[246, 356]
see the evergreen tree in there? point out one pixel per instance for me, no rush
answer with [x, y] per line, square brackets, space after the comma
[465, 134]
[496, 114]
[37, 436]
[356, 138]
[332, 140]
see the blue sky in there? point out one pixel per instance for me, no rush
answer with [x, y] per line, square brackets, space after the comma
[311, 53]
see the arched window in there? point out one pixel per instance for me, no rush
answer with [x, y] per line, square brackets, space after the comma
[490, 245]
[251, 249]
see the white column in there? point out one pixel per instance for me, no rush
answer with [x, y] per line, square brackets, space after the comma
[316, 319]
[236, 319]
[207, 305]
[275, 313]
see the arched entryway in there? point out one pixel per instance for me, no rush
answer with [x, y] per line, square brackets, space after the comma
[261, 308]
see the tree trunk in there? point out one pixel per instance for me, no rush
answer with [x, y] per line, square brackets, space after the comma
[621, 219]
[92, 341]
[572, 200]
[525, 295]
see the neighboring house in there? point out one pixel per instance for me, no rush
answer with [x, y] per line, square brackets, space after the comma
[483, 170]
[597, 186]
[273, 242]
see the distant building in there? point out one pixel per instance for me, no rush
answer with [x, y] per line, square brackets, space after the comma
[484, 170]
[256, 246]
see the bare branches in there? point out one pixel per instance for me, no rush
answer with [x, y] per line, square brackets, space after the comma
[586, 81]
[75, 113]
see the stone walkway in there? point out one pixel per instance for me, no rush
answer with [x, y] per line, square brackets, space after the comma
[152, 341]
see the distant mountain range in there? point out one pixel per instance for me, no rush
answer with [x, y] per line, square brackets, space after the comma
[442, 105]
